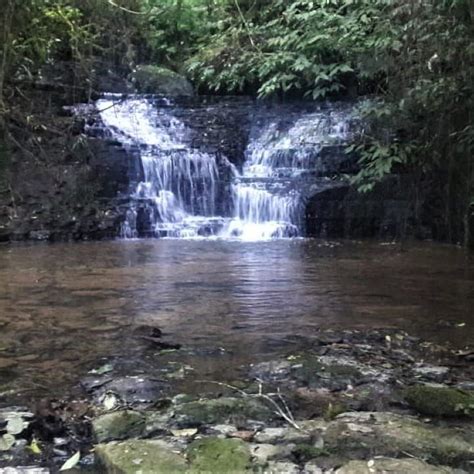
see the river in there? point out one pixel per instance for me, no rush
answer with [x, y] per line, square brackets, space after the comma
[68, 308]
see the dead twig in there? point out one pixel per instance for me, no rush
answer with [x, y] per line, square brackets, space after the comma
[282, 411]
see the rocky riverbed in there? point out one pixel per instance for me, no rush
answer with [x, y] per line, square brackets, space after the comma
[352, 401]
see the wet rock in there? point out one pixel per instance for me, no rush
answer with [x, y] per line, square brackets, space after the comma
[244, 435]
[312, 467]
[282, 435]
[431, 372]
[305, 452]
[118, 425]
[319, 402]
[224, 430]
[145, 456]
[7, 363]
[361, 434]
[271, 371]
[219, 455]
[157, 422]
[261, 453]
[221, 410]
[129, 390]
[440, 401]
[282, 467]
[380, 466]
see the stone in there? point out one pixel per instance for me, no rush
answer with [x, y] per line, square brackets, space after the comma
[149, 79]
[217, 455]
[440, 401]
[224, 429]
[24, 470]
[130, 390]
[157, 422]
[6, 363]
[262, 452]
[221, 411]
[271, 371]
[312, 467]
[245, 435]
[280, 467]
[431, 371]
[144, 456]
[118, 425]
[281, 435]
[396, 466]
[394, 434]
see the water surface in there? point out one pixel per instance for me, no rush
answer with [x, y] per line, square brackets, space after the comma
[65, 308]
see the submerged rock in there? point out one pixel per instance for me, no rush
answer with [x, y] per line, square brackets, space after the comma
[118, 425]
[440, 401]
[216, 455]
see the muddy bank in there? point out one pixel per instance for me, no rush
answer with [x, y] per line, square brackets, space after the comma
[352, 401]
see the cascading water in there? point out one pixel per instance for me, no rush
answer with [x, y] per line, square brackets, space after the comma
[185, 185]
[181, 182]
[268, 195]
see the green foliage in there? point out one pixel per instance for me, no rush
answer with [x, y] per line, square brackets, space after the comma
[415, 60]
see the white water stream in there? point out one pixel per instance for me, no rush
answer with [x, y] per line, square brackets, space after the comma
[183, 182]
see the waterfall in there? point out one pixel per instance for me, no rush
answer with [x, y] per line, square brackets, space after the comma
[189, 193]
[268, 195]
[179, 181]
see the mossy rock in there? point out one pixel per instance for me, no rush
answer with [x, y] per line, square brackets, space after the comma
[389, 434]
[144, 456]
[220, 456]
[149, 79]
[440, 401]
[221, 410]
[305, 452]
[118, 425]
[415, 466]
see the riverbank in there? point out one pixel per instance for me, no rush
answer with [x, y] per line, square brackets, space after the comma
[352, 401]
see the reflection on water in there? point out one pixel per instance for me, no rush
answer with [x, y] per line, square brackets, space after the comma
[64, 306]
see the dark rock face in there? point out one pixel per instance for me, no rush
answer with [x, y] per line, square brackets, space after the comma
[342, 211]
[76, 184]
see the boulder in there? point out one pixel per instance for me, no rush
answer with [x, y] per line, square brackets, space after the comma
[118, 425]
[144, 456]
[386, 466]
[150, 79]
[440, 401]
[217, 455]
[221, 411]
[362, 434]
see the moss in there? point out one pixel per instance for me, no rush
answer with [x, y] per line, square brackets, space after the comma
[144, 456]
[221, 410]
[306, 452]
[149, 79]
[332, 410]
[361, 434]
[216, 455]
[118, 425]
[440, 401]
